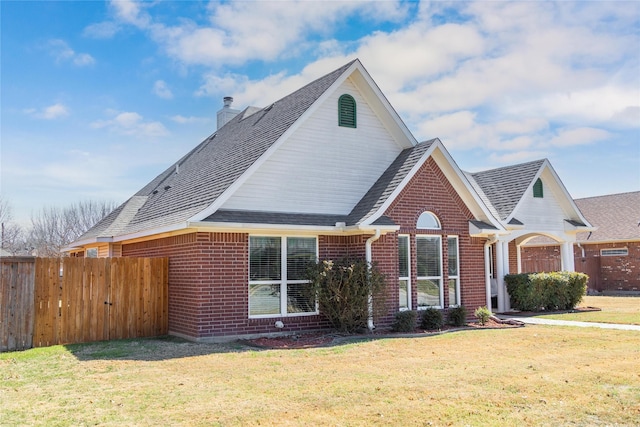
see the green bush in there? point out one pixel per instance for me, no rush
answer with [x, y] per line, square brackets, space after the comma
[342, 289]
[431, 319]
[549, 291]
[483, 314]
[405, 321]
[457, 316]
[523, 296]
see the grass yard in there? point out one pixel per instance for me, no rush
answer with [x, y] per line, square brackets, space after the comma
[537, 375]
[624, 310]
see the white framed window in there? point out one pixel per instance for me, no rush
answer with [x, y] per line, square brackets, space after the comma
[404, 273]
[429, 271]
[614, 252]
[277, 283]
[91, 253]
[454, 270]
[428, 221]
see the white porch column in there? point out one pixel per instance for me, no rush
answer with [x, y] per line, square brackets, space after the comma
[502, 269]
[518, 258]
[487, 275]
[566, 256]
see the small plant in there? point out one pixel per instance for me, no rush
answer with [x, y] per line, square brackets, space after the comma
[457, 316]
[431, 319]
[483, 314]
[405, 321]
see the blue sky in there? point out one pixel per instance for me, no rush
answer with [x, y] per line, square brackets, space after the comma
[97, 98]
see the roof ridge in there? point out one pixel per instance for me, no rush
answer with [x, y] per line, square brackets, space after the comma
[510, 166]
[608, 195]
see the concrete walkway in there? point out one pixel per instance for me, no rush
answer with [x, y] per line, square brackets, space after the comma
[539, 321]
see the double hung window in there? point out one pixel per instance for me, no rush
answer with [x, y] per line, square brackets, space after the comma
[404, 279]
[429, 271]
[454, 271]
[277, 283]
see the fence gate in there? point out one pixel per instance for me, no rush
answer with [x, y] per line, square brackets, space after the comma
[74, 300]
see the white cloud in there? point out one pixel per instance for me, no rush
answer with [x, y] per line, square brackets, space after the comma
[55, 111]
[241, 31]
[161, 90]
[191, 119]
[133, 124]
[101, 30]
[61, 51]
[579, 136]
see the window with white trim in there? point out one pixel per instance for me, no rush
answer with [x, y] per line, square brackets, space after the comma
[404, 273]
[277, 283]
[614, 252]
[454, 270]
[428, 221]
[429, 271]
[91, 253]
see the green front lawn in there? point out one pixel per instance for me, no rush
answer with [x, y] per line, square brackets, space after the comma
[625, 310]
[537, 375]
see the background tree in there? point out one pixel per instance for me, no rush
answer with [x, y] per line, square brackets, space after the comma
[52, 228]
[12, 239]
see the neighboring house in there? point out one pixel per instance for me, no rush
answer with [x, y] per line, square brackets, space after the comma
[328, 171]
[610, 255]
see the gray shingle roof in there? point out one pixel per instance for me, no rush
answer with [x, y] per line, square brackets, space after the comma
[617, 217]
[504, 187]
[199, 178]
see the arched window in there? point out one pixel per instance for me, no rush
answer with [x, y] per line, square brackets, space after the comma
[537, 189]
[428, 221]
[347, 111]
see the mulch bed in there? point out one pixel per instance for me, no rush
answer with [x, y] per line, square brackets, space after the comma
[324, 339]
[544, 312]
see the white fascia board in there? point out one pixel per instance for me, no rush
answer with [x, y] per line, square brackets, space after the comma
[568, 199]
[236, 227]
[81, 243]
[475, 198]
[221, 200]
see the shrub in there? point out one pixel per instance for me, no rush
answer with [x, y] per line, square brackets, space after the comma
[405, 321]
[342, 289]
[523, 296]
[483, 314]
[457, 316]
[431, 319]
[550, 291]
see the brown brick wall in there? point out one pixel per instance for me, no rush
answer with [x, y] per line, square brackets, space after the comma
[607, 273]
[208, 286]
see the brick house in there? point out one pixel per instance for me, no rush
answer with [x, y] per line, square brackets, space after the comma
[328, 171]
[610, 254]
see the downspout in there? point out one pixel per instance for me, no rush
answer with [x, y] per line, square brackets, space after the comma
[369, 258]
[581, 248]
[487, 278]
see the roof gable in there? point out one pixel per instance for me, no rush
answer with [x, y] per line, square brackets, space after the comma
[198, 179]
[503, 188]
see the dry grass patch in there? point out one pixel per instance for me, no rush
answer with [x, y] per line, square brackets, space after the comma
[624, 310]
[536, 375]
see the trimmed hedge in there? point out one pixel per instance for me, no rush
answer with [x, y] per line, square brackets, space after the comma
[561, 290]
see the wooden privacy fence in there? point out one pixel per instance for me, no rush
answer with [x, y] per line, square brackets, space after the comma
[49, 301]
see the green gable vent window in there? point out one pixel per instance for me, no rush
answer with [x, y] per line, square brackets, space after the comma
[347, 111]
[537, 189]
